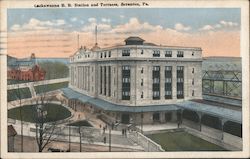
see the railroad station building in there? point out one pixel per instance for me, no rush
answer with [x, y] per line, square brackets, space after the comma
[143, 83]
[140, 77]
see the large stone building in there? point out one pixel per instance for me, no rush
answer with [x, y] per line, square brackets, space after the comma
[123, 82]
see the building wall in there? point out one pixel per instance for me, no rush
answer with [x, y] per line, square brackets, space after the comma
[85, 74]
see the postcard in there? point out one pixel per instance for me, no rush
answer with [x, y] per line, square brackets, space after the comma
[124, 79]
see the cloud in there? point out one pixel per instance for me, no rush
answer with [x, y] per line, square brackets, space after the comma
[221, 25]
[135, 26]
[207, 27]
[228, 24]
[73, 19]
[92, 20]
[106, 20]
[35, 24]
[181, 27]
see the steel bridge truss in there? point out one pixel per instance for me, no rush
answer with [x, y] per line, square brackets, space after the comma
[221, 82]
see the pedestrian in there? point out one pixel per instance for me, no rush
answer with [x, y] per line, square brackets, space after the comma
[104, 140]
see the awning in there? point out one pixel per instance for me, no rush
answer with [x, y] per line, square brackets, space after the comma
[105, 105]
[225, 113]
[232, 115]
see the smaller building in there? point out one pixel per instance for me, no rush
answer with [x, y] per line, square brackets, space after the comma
[25, 69]
[11, 138]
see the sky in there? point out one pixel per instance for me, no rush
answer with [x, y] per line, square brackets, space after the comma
[54, 32]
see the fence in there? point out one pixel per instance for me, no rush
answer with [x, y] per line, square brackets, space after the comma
[145, 142]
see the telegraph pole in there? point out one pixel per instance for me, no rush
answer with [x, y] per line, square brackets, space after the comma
[109, 138]
[69, 140]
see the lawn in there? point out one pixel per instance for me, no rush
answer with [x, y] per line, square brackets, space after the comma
[182, 141]
[54, 112]
[81, 123]
[13, 94]
[50, 87]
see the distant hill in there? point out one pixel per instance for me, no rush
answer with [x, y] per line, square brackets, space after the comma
[62, 60]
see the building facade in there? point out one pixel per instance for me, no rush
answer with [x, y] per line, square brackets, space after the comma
[138, 74]
[25, 69]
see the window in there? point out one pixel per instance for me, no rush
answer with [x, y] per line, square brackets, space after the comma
[142, 70]
[156, 94]
[141, 82]
[193, 93]
[193, 70]
[168, 80]
[141, 51]
[105, 54]
[168, 54]
[156, 53]
[101, 54]
[126, 67]
[156, 80]
[192, 53]
[193, 82]
[168, 93]
[125, 80]
[180, 82]
[180, 54]
[88, 55]
[126, 52]
[156, 68]
[109, 53]
[141, 94]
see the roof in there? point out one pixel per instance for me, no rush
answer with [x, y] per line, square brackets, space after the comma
[226, 113]
[134, 38]
[11, 131]
[105, 105]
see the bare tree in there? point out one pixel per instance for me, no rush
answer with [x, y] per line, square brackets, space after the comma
[45, 133]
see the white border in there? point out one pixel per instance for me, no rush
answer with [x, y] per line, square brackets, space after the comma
[243, 4]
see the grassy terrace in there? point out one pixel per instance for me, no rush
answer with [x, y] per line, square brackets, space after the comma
[16, 94]
[50, 87]
[182, 141]
[54, 112]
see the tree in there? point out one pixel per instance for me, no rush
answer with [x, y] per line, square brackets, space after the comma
[45, 133]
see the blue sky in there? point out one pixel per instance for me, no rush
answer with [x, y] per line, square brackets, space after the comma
[215, 30]
[166, 17]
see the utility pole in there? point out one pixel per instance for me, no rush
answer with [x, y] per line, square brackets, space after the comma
[80, 138]
[69, 140]
[109, 138]
[78, 41]
[96, 35]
